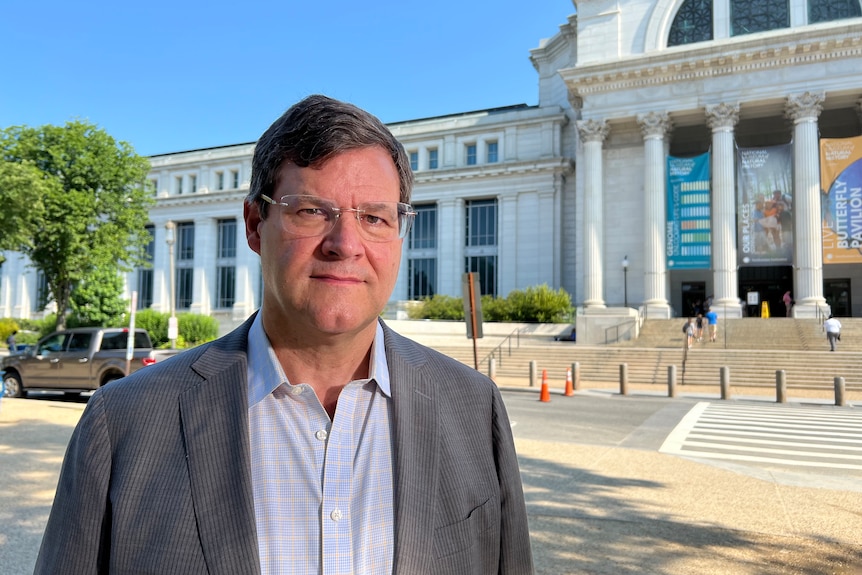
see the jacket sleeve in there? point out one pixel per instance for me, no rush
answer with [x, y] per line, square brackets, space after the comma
[76, 536]
[516, 556]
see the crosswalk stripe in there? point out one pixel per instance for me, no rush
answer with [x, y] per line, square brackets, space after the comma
[797, 436]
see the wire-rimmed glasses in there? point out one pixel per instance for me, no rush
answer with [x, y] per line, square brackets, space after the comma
[308, 216]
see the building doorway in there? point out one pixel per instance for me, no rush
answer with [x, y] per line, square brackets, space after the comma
[764, 284]
[693, 298]
[837, 294]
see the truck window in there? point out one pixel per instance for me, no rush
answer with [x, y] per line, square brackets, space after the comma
[79, 342]
[54, 343]
[115, 340]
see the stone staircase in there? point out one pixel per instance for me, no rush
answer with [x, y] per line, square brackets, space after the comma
[751, 348]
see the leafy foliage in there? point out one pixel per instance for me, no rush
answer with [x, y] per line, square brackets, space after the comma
[535, 304]
[194, 329]
[73, 203]
[97, 300]
[439, 307]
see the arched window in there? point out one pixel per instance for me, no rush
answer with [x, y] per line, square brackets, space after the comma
[693, 23]
[826, 10]
[750, 16]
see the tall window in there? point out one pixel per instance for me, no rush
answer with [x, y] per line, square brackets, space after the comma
[693, 23]
[750, 16]
[492, 152]
[432, 158]
[471, 154]
[422, 253]
[481, 243]
[234, 179]
[185, 264]
[43, 292]
[145, 273]
[193, 183]
[219, 180]
[827, 10]
[414, 161]
[179, 185]
[226, 264]
[154, 186]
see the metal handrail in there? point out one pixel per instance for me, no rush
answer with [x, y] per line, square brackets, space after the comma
[616, 329]
[497, 352]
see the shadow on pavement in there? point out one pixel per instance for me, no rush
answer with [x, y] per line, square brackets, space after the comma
[579, 523]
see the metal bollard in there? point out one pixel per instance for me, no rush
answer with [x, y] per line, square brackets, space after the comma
[725, 382]
[840, 397]
[534, 372]
[624, 379]
[671, 381]
[492, 368]
[780, 386]
[576, 376]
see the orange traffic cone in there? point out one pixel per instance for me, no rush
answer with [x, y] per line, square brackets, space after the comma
[545, 394]
[570, 389]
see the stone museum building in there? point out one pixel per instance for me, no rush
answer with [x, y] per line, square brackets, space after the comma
[681, 152]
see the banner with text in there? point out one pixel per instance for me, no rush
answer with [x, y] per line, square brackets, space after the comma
[688, 213]
[841, 199]
[764, 186]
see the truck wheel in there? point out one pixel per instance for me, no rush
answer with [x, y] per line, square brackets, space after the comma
[110, 378]
[12, 386]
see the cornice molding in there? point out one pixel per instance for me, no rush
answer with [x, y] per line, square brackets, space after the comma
[724, 58]
[550, 166]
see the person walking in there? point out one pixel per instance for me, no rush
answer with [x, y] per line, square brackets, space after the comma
[788, 303]
[833, 331]
[712, 324]
[688, 330]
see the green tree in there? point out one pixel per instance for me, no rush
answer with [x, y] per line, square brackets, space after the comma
[98, 300]
[74, 202]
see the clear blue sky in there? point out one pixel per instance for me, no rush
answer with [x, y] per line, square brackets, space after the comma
[168, 76]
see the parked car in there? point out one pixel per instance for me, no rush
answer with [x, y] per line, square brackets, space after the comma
[75, 360]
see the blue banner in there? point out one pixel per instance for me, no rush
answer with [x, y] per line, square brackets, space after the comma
[689, 228]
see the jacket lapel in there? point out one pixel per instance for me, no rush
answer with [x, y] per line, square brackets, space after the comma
[214, 420]
[416, 454]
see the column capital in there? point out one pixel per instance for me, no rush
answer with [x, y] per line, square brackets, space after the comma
[593, 130]
[802, 107]
[655, 124]
[722, 116]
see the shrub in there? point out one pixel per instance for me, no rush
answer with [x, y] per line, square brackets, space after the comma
[540, 304]
[155, 323]
[7, 326]
[439, 307]
[197, 329]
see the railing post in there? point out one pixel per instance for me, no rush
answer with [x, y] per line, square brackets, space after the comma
[576, 376]
[534, 372]
[725, 382]
[492, 368]
[780, 386]
[671, 381]
[840, 398]
[624, 379]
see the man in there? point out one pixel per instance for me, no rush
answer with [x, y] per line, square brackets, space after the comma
[312, 439]
[712, 323]
[833, 331]
[788, 303]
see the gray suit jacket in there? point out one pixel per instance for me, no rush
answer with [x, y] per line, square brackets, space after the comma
[157, 476]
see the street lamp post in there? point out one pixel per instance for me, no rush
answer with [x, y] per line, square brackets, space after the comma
[170, 239]
[626, 281]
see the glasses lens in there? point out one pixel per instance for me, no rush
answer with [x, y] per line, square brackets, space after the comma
[306, 216]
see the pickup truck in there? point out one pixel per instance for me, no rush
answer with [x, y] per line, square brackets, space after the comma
[75, 360]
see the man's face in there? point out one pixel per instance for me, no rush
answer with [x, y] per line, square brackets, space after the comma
[338, 282]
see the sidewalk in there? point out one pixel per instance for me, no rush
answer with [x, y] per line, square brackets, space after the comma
[618, 510]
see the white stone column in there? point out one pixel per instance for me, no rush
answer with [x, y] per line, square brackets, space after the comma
[655, 128]
[721, 119]
[804, 109]
[593, 134]
[450, 245]
[206, 240]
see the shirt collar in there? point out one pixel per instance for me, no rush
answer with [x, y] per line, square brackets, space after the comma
[265, 373]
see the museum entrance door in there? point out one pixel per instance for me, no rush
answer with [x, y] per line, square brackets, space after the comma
[764, 284]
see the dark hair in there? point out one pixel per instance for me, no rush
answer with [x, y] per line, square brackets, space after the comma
[314, 130]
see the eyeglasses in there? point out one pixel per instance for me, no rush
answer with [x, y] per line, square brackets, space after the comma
[308, 216]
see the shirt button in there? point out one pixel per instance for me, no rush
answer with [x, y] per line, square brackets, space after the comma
[336, 514]
[296, 389]
[321, 435]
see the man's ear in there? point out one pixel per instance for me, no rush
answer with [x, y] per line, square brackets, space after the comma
[251, 215]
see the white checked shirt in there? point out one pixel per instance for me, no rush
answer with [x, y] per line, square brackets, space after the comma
[323, 489]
